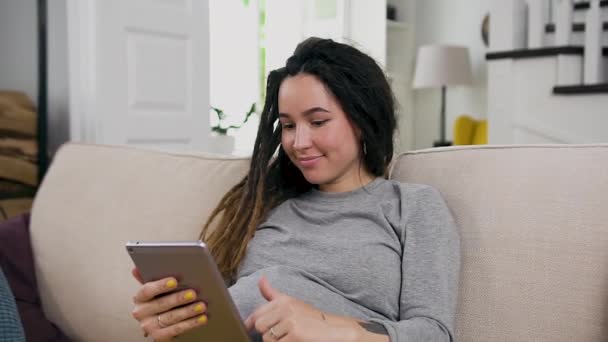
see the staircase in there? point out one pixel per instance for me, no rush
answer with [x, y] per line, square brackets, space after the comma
[548, 93]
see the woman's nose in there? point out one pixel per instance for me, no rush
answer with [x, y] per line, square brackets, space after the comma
[303, 139]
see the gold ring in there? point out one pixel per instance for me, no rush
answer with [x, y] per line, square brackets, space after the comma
[160, 323]
[273, 334]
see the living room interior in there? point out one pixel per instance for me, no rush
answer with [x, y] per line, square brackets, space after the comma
[188, 78]
[234, 61]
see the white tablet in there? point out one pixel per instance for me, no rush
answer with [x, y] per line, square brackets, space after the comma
[193, 266]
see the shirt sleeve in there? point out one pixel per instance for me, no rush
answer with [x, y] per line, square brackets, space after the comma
[430, 270]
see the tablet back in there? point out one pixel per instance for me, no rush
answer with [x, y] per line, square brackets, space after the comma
[194, 268]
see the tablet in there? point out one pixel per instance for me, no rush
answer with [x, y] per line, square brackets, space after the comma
[193, 266]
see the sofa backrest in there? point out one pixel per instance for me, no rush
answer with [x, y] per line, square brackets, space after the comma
[92, 201]
[533, 223]
[534, 231]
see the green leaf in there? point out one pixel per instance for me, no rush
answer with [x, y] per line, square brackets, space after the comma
[249, 113]
[221, 116]
[220, 113]
[246, 2]
[219, 130]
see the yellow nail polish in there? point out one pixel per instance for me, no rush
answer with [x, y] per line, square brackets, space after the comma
[202, 319]
[189, 295]
[198, 307]
[171, 283]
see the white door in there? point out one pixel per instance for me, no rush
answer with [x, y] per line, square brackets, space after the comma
[147, 72]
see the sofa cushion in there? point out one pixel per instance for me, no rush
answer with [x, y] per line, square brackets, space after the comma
[92, 201]
[534, 234]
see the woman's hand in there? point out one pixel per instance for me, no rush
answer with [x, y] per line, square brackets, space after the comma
[288, 319]
[158, 317]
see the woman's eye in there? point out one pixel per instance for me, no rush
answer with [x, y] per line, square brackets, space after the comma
[287, 126]
[319, 123]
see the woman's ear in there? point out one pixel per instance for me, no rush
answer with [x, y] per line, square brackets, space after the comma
[358, 133]
[355, 128]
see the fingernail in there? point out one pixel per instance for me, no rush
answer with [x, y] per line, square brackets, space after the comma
[202, 319]
[171, 283]
[198, 307]
[189, 295]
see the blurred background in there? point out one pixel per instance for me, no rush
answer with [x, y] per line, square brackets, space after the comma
[189, 76]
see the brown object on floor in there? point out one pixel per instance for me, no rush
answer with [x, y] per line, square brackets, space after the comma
[17, 114]
[25, 147]
[14, 207]
[17, 119]
[18, 98]
[16, 169]
[18, 153]
[10, 189]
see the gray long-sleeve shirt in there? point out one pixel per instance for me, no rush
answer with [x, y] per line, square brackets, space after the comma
[388, 252]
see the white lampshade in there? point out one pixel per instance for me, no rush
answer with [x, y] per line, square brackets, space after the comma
[442, 65]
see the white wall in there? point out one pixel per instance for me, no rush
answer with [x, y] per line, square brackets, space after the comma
[234, 76]
[451, 22]
[19, 59]
[371, 38]
[18, 47]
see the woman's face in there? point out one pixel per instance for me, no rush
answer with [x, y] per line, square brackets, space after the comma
[318, 137]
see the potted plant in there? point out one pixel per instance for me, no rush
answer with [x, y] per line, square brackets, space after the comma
[223, 143]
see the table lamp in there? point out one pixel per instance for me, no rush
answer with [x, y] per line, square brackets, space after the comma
[442, 66]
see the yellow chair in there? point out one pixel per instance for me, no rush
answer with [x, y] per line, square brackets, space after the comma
[469, 131]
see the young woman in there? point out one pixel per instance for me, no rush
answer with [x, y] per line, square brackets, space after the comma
[318, 245]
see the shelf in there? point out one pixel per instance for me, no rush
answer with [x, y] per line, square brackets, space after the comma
[576, 27]
[586, 5]
[396, 25]
[601, 88]
[540, 52]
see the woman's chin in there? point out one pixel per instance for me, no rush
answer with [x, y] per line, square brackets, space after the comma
[313, 177]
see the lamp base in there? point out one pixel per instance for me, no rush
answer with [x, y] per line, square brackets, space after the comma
[442, 143]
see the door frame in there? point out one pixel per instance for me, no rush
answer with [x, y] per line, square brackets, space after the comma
[82, 48]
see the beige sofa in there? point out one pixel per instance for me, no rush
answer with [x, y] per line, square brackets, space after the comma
[533, 219]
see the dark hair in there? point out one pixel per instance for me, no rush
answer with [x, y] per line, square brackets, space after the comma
[360, 87]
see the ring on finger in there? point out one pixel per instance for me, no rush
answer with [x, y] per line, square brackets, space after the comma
[274, 334]
[160, 322]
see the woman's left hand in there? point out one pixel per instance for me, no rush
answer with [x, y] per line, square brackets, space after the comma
[288, 319]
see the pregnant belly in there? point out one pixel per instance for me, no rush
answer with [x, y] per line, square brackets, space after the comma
[298, 284]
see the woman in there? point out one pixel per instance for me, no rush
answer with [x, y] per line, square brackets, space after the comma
[318, 244]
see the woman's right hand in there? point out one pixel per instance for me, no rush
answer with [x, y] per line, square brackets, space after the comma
[158, 317]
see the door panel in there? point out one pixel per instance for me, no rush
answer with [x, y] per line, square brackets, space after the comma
[153, 73]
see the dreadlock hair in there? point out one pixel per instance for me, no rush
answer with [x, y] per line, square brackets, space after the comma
[362, 90]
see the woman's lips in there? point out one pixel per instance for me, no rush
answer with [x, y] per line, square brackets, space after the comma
[309, 161]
